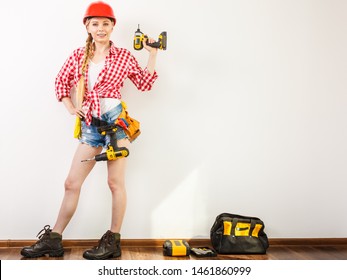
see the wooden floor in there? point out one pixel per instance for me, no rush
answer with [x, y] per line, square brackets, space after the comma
[275, 252]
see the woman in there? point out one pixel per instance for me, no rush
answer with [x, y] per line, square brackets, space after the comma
[104, 68]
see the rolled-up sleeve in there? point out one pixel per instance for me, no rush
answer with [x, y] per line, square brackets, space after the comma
[64, 79]
[141, 78]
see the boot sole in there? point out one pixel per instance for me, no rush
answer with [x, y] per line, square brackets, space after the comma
[56, 253]
[104, 257]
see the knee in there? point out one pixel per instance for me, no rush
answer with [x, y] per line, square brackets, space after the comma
[116, 184]
[71, 185]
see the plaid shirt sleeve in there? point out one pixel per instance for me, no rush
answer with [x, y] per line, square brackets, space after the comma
[65, 78]
[141, 78]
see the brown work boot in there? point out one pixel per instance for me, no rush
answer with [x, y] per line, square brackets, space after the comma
[108, 247]
[49, 243]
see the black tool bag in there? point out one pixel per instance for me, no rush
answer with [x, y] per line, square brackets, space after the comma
[236, 234]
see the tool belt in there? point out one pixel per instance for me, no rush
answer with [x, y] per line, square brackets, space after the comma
[97, 122]
[130, 126]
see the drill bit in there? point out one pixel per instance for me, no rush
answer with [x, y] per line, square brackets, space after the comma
[89, 159]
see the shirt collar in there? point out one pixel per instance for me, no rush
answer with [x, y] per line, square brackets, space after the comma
[113, 49]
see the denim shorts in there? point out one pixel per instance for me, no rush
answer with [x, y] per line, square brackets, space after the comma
[92, 137]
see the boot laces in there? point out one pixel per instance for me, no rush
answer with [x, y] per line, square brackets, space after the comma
[104, 239]
[44, 232]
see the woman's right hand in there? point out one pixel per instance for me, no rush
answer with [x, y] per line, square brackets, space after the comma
[71, 108]
[77, 112]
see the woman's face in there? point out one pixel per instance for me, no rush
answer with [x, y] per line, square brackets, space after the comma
[100, 28]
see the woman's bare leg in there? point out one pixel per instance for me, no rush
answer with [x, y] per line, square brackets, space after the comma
[73, 183]
[116, 182]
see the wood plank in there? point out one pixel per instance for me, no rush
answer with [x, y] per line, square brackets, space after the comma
[151, 249]
[292, 252]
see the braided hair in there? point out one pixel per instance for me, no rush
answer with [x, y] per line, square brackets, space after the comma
[89, 52]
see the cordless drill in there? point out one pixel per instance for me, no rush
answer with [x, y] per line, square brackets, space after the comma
[139, 37]
[113, 152]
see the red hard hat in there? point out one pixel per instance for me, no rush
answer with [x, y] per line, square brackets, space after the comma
[99, 9]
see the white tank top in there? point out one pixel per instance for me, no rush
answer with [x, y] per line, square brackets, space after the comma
[106, 104]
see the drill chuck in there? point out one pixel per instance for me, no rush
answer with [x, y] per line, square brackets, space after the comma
[101, 157]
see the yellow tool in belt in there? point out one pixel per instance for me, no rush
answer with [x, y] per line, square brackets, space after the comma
[113, 152]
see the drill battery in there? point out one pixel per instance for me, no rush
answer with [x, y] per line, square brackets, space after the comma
[176, 248]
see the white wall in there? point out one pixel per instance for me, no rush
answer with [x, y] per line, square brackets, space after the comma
[248, 116]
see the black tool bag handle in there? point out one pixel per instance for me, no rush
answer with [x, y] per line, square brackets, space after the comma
[253, 223]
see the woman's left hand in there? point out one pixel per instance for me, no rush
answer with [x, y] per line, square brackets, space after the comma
[152, 55]
[148, 48]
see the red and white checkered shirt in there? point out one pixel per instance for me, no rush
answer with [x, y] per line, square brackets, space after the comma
[120, 64]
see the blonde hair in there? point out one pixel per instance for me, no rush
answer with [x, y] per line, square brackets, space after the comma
[88, 54]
